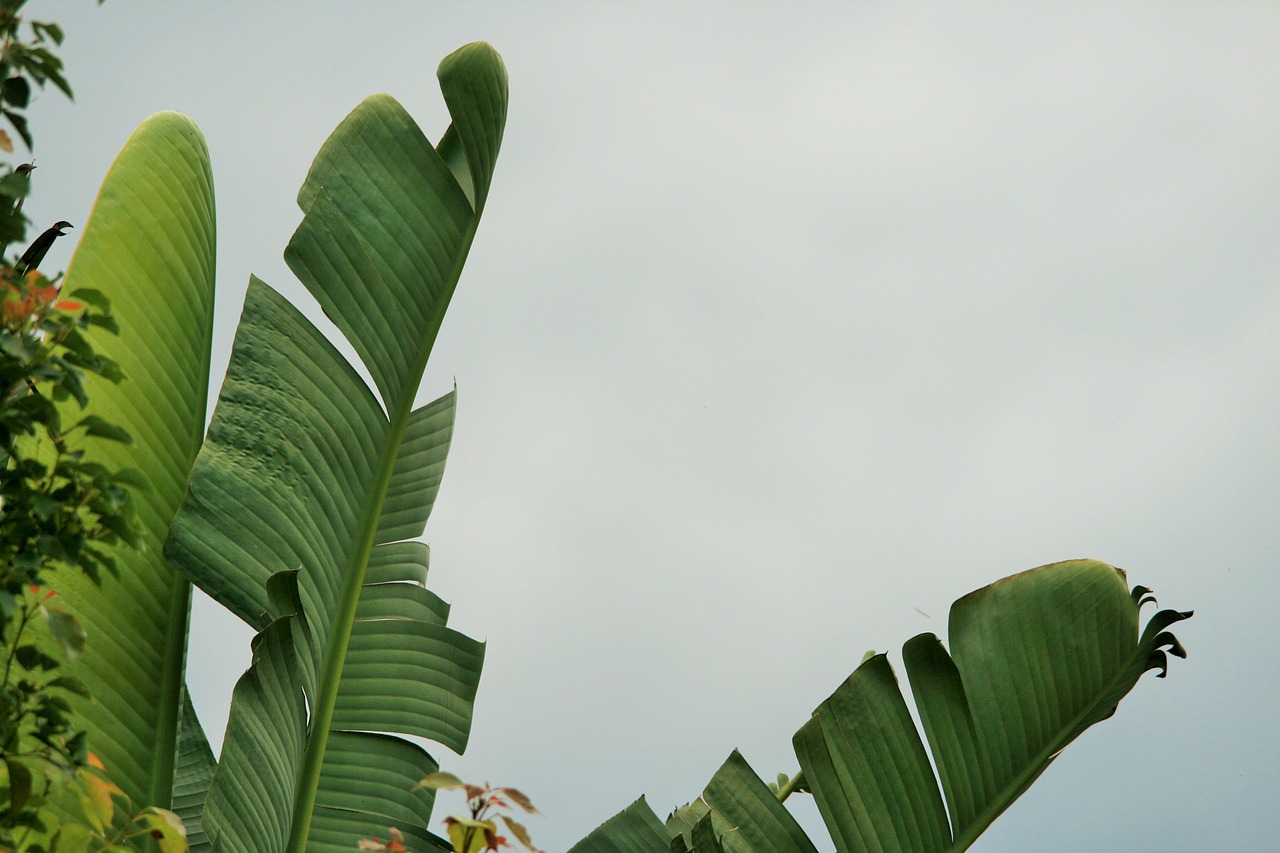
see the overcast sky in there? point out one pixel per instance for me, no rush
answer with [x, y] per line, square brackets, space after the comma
[786, 326]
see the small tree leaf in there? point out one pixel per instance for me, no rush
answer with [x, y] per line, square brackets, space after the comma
[133, 478]
[31, 658]
[72, 838]
[518, 798]
[521, 834]
[71, 684]
[16, 91]
[97, 426]
[19, 785]
[439, 781]
[91, 296]
[469, 836]
[67, 632]
[166, 828]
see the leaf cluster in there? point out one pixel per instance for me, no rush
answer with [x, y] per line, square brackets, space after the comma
[57, 508]
[26, 58]
[94, 815]
[478, 830]
[27, 63]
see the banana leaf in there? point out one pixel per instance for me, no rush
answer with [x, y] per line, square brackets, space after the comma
[1035, 660]
[149, 248]
[311, 485]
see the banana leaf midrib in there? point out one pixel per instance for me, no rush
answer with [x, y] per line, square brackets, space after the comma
[353, 575]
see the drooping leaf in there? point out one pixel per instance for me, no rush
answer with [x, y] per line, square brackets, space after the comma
[520, 831]
[148, 247]
[308, 485]
[1035, 660]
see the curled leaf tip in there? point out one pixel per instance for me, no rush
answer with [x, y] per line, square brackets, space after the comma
[1142, 594]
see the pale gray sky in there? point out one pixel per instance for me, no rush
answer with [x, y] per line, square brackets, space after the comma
[786, 323]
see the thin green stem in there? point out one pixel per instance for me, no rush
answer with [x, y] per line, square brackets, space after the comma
[13, 650]
[21, 710]
[796, 782]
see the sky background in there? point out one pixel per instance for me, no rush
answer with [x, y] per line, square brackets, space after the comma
[788, 325]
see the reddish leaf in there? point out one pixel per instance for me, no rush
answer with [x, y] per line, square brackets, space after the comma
[519, 831]
[519, 799]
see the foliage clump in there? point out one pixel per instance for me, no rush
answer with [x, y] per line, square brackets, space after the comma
[478, 830]
[59, 509]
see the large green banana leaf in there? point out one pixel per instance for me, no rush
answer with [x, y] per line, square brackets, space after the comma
[149, 247]
[309, 488]
[1035, 660]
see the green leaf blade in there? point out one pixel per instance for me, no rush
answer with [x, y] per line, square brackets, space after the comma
[398, 561]
[759, 822]
[948, 723]
[293, 418]
[383, 281]
[261, 749]
[868, 769]
[192, 775]
[411, 677]
[1043, 655]
[474, 82]
[368, 780]
[148, 247]
[306, 485]
[419, 471]
[1036, 659]
[635, 829]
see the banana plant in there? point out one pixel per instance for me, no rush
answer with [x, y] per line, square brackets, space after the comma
[1035, 660]
[301, 510]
